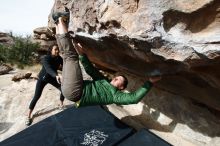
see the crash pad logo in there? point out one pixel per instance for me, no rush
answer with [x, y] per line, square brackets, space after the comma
[94, 138]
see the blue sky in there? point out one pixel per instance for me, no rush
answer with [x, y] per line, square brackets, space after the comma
[22, 16]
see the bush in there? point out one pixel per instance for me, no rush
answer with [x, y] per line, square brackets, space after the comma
[20, 53]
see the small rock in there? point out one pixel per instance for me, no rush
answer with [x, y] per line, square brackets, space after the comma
[4, 68]
[21, 76]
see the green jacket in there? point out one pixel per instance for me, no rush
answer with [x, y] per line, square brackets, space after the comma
[100, 92]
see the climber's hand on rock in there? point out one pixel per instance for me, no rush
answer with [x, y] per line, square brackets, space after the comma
[154, 79]
[59, 79]
[79, 49]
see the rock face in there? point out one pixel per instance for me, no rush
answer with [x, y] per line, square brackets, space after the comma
[180, 39]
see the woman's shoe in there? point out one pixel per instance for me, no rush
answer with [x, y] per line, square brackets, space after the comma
[28, 121]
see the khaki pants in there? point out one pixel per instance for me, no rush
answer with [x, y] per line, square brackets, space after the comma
[72, 83]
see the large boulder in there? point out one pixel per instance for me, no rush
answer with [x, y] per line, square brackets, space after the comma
[178, 39]
[45, 37]
[6, 39]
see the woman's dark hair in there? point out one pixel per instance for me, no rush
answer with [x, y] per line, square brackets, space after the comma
[50, 49]
[125, 81]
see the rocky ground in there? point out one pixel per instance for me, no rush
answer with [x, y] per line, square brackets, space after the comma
[14, 100]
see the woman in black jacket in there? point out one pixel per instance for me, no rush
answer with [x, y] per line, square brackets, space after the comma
[48, 74]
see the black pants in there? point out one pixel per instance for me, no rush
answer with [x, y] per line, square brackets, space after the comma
[41, 83]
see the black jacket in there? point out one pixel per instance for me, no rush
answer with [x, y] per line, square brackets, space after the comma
[50, 66]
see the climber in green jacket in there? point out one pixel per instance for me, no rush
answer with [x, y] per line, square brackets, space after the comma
[102, 91]
[99, 91]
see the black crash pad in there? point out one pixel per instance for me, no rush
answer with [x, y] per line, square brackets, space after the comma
[86, 126]
[144, 138]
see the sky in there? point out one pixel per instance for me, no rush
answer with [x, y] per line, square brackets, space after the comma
[23, 16]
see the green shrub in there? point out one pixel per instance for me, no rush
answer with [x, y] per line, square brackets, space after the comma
[20, 53]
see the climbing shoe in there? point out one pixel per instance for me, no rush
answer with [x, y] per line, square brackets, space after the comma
[28, 121]
[57, 15]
